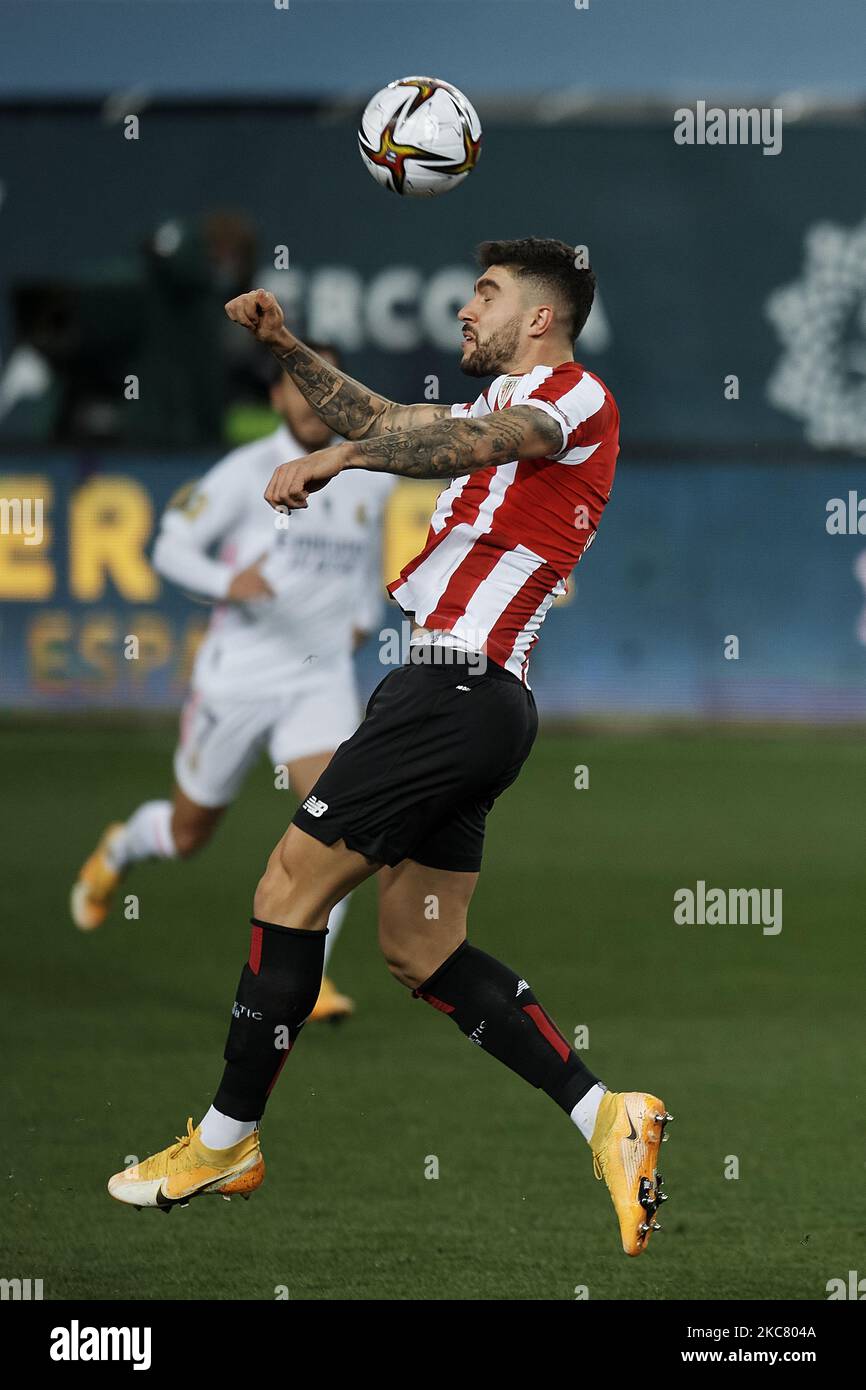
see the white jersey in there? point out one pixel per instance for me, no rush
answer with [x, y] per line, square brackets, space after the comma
[323, 563]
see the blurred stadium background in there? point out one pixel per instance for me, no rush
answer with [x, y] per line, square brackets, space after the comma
[118, 253]
[714, 263]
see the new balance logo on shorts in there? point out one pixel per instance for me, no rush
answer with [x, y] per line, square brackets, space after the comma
[315, 807]
[521, 986]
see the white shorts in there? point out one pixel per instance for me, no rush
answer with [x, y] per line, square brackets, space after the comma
[221, 738]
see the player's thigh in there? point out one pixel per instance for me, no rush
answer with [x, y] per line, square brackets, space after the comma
[422, 917]
[191, 824]
[220, 741]
[305, 879]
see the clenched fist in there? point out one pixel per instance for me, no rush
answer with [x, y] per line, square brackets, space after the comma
[292, 482]
[258, 311]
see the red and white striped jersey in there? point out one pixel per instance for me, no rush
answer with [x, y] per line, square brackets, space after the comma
[503, 540]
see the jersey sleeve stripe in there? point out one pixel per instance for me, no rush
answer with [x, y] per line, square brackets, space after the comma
[549, 408]
[577, 402]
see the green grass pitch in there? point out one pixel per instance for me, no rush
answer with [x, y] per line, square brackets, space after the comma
[755, 1042]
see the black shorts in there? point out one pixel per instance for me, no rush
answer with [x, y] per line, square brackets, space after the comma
[417, 779]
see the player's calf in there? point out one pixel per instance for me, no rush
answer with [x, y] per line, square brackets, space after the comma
[279, 984]
[499, 1012]
[276, 993]
[192, 826]
[497, 1009]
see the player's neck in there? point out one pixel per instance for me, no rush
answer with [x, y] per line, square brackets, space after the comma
[530, 360]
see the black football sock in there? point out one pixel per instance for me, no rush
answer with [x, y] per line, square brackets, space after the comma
[498, 1010]
[278, 988]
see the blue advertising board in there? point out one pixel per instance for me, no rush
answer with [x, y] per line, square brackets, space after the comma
[715, 590]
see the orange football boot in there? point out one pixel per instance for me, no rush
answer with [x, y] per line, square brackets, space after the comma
[629, 1129]
[331, 1004]
[94, 889]
[187, 1169]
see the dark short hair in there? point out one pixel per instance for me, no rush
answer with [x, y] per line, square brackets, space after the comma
[552, 264]
[274, 372]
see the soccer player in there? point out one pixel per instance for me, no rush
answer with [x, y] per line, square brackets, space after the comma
[275, 672]
[529, 466]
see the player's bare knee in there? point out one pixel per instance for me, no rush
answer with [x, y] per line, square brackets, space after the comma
[393, 951]
[290, 893]
[403, 971]
[274, 892]
[402, 960]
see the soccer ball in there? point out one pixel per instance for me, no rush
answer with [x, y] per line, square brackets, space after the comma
[419, 136]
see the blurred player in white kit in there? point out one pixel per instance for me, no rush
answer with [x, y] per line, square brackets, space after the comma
[295, 594]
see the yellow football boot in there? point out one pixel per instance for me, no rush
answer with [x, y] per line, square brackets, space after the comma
[188, 1169]
[96, 885]
[625, 1143]
[331, 1004]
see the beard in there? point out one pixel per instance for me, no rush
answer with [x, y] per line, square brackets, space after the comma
[494, 354]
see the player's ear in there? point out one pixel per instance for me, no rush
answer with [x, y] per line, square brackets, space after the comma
[542, 320]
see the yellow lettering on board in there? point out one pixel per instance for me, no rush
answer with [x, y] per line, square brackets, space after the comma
[26, 571]
[48, 638]
[110, 521]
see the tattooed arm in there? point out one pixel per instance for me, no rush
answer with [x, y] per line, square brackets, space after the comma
[450, 448]
[344, 404]
[445, 449]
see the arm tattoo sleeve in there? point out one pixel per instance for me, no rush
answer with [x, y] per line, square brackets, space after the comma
[450, 448]
[347, 406]
[344, 404]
